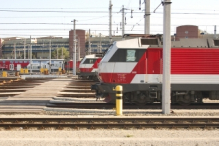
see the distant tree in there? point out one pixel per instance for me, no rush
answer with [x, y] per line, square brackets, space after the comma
[65, 53]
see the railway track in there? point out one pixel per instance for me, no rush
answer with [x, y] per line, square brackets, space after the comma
[130, 106]
[109, 122]
[78, 89]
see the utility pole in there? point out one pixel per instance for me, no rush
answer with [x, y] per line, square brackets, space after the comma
[79, 49]
[215, 31]
[100, 43]
[147, 17]
[30, 56]
[89, 49]
[110, 21]
[123, 24]
[62, 52]
[74, 51]
[57, 52]
[24, 48]
[50, 64]
[15, 53]
[166, 90]
[28, 52]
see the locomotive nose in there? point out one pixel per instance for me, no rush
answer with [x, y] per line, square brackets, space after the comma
[99, 71]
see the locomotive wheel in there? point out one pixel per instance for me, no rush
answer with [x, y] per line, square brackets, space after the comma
[184, 103]
[140, 99]
[140, 104]
[184, 100]
[199, 97]
[110, 98]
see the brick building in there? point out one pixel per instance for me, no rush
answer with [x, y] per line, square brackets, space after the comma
[187, 31]
[80, 37]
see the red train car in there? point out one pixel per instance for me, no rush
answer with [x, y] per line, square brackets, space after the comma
[16, 64]
[69, 65]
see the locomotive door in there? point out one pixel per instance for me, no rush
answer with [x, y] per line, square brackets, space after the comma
[154, 64]
[146, 68]
[11, 66]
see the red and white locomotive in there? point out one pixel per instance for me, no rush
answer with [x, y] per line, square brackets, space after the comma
[89, 65]
[137, 65]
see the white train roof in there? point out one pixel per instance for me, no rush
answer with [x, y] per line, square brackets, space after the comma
[131, 43]
[91, 56]
[144, 43]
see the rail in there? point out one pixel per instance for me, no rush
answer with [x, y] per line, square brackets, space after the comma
[104, 122]
[87, 105]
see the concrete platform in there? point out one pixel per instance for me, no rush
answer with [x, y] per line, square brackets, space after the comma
[1, 90]
[33, 99]
[47, 89]
[9, 78]
[76, 93]
[42, 76]
[21, 110]
[74, 99]
[73, 89]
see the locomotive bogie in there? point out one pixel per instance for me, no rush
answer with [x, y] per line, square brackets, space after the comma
[214, 95]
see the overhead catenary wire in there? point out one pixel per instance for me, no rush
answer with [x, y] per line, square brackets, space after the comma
[86, 8]
[22, 11]
[91, 24]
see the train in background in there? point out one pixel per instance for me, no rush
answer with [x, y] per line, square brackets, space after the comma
[69, 66]
[89, 65]
[137, 65]
[16, 64]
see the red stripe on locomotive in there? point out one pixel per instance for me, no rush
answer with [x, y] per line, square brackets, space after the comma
[183, 61]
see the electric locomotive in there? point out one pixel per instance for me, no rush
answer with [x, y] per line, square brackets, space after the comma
[88, 66]
[137, 65]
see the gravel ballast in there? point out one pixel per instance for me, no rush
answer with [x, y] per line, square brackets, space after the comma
[111, 137]
[147, 137]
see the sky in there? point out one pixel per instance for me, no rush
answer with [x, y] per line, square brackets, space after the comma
[40, 18]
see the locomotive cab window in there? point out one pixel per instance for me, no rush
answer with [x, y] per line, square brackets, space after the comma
[127, 55]
[130, 55]
[89, 61]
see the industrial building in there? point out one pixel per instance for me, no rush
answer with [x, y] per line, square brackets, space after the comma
[19, 48]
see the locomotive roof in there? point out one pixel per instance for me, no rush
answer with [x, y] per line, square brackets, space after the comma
[142, 43]
[32, 59]
[132, 43]
[91, 56]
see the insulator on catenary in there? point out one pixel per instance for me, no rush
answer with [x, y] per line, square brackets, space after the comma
[131, 13]
[139, 4]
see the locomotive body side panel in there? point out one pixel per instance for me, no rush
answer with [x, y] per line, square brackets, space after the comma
[194, 61]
